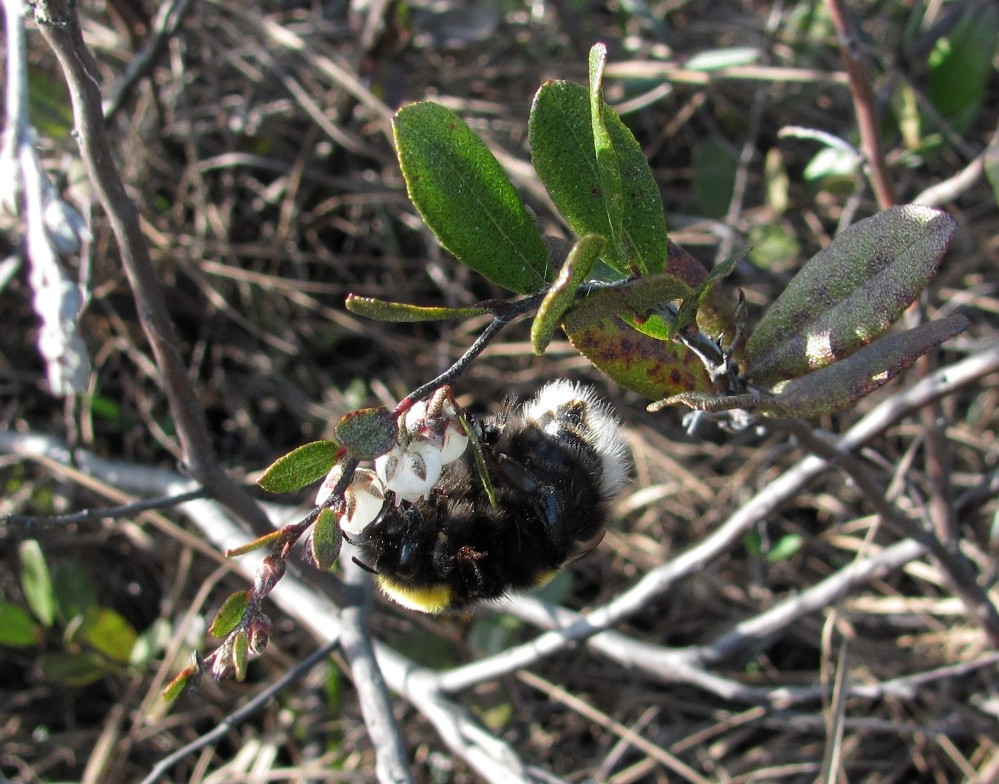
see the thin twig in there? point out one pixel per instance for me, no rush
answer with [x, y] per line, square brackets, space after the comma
[81, 72]
[864, 104]
[240, 715]
[959, 570]
[168, 20]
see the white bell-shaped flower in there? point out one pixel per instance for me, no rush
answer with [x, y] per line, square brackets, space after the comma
[445, 431]
[363, 499]
[410, 471]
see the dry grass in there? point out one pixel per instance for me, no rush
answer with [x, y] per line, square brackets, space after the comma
[258, 152]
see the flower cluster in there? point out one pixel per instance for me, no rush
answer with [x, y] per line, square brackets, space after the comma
[430, 437]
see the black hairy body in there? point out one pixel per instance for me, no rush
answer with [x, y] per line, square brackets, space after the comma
[455, 549]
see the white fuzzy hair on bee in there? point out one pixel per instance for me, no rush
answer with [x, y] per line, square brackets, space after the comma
[597, 426]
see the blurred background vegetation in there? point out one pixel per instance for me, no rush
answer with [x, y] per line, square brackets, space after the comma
[257, 150]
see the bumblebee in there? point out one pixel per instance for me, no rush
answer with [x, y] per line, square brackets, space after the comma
[554, 464]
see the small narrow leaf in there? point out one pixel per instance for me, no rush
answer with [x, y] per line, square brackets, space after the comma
[575, 271]
[36, 582]
[367, 433]
[608, 172]
[229, 614]
[848, 293]
[256, 544]
[466, 199]
[240, 655]
[384, 310]
[300, 467]
[173, 689]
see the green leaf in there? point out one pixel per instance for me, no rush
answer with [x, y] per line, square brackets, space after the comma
[173, 689]
[325, 540]
[17, 628]
[36, 582]
[75, 589]
[49, 107]
[240, 655]
[367, 432]
[229, 614]
[716, 59]
[652, 368]
[834, 386]
[107, 632]
[73, 669]
[608, 173]
[564, 155]
[384, 310]
[575, 271]
[961, 65]
[786, 547]
[466, 199]
[300, 467]
[635, 300]
[686, 316]
[849, 293]
[834, 169]
[843, 383]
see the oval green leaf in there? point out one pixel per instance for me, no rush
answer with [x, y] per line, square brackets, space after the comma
[849, 293]
[72, 669]
[240, 655]
[229, 614]
[652, 368]
[323, 545]
[466, 199]
[107, 632]
[300, 467]
[17, 628]
[961, 65]
[367, 432]
[563, 151]
[75, 589]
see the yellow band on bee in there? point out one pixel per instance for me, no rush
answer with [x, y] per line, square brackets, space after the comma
[429, 599]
